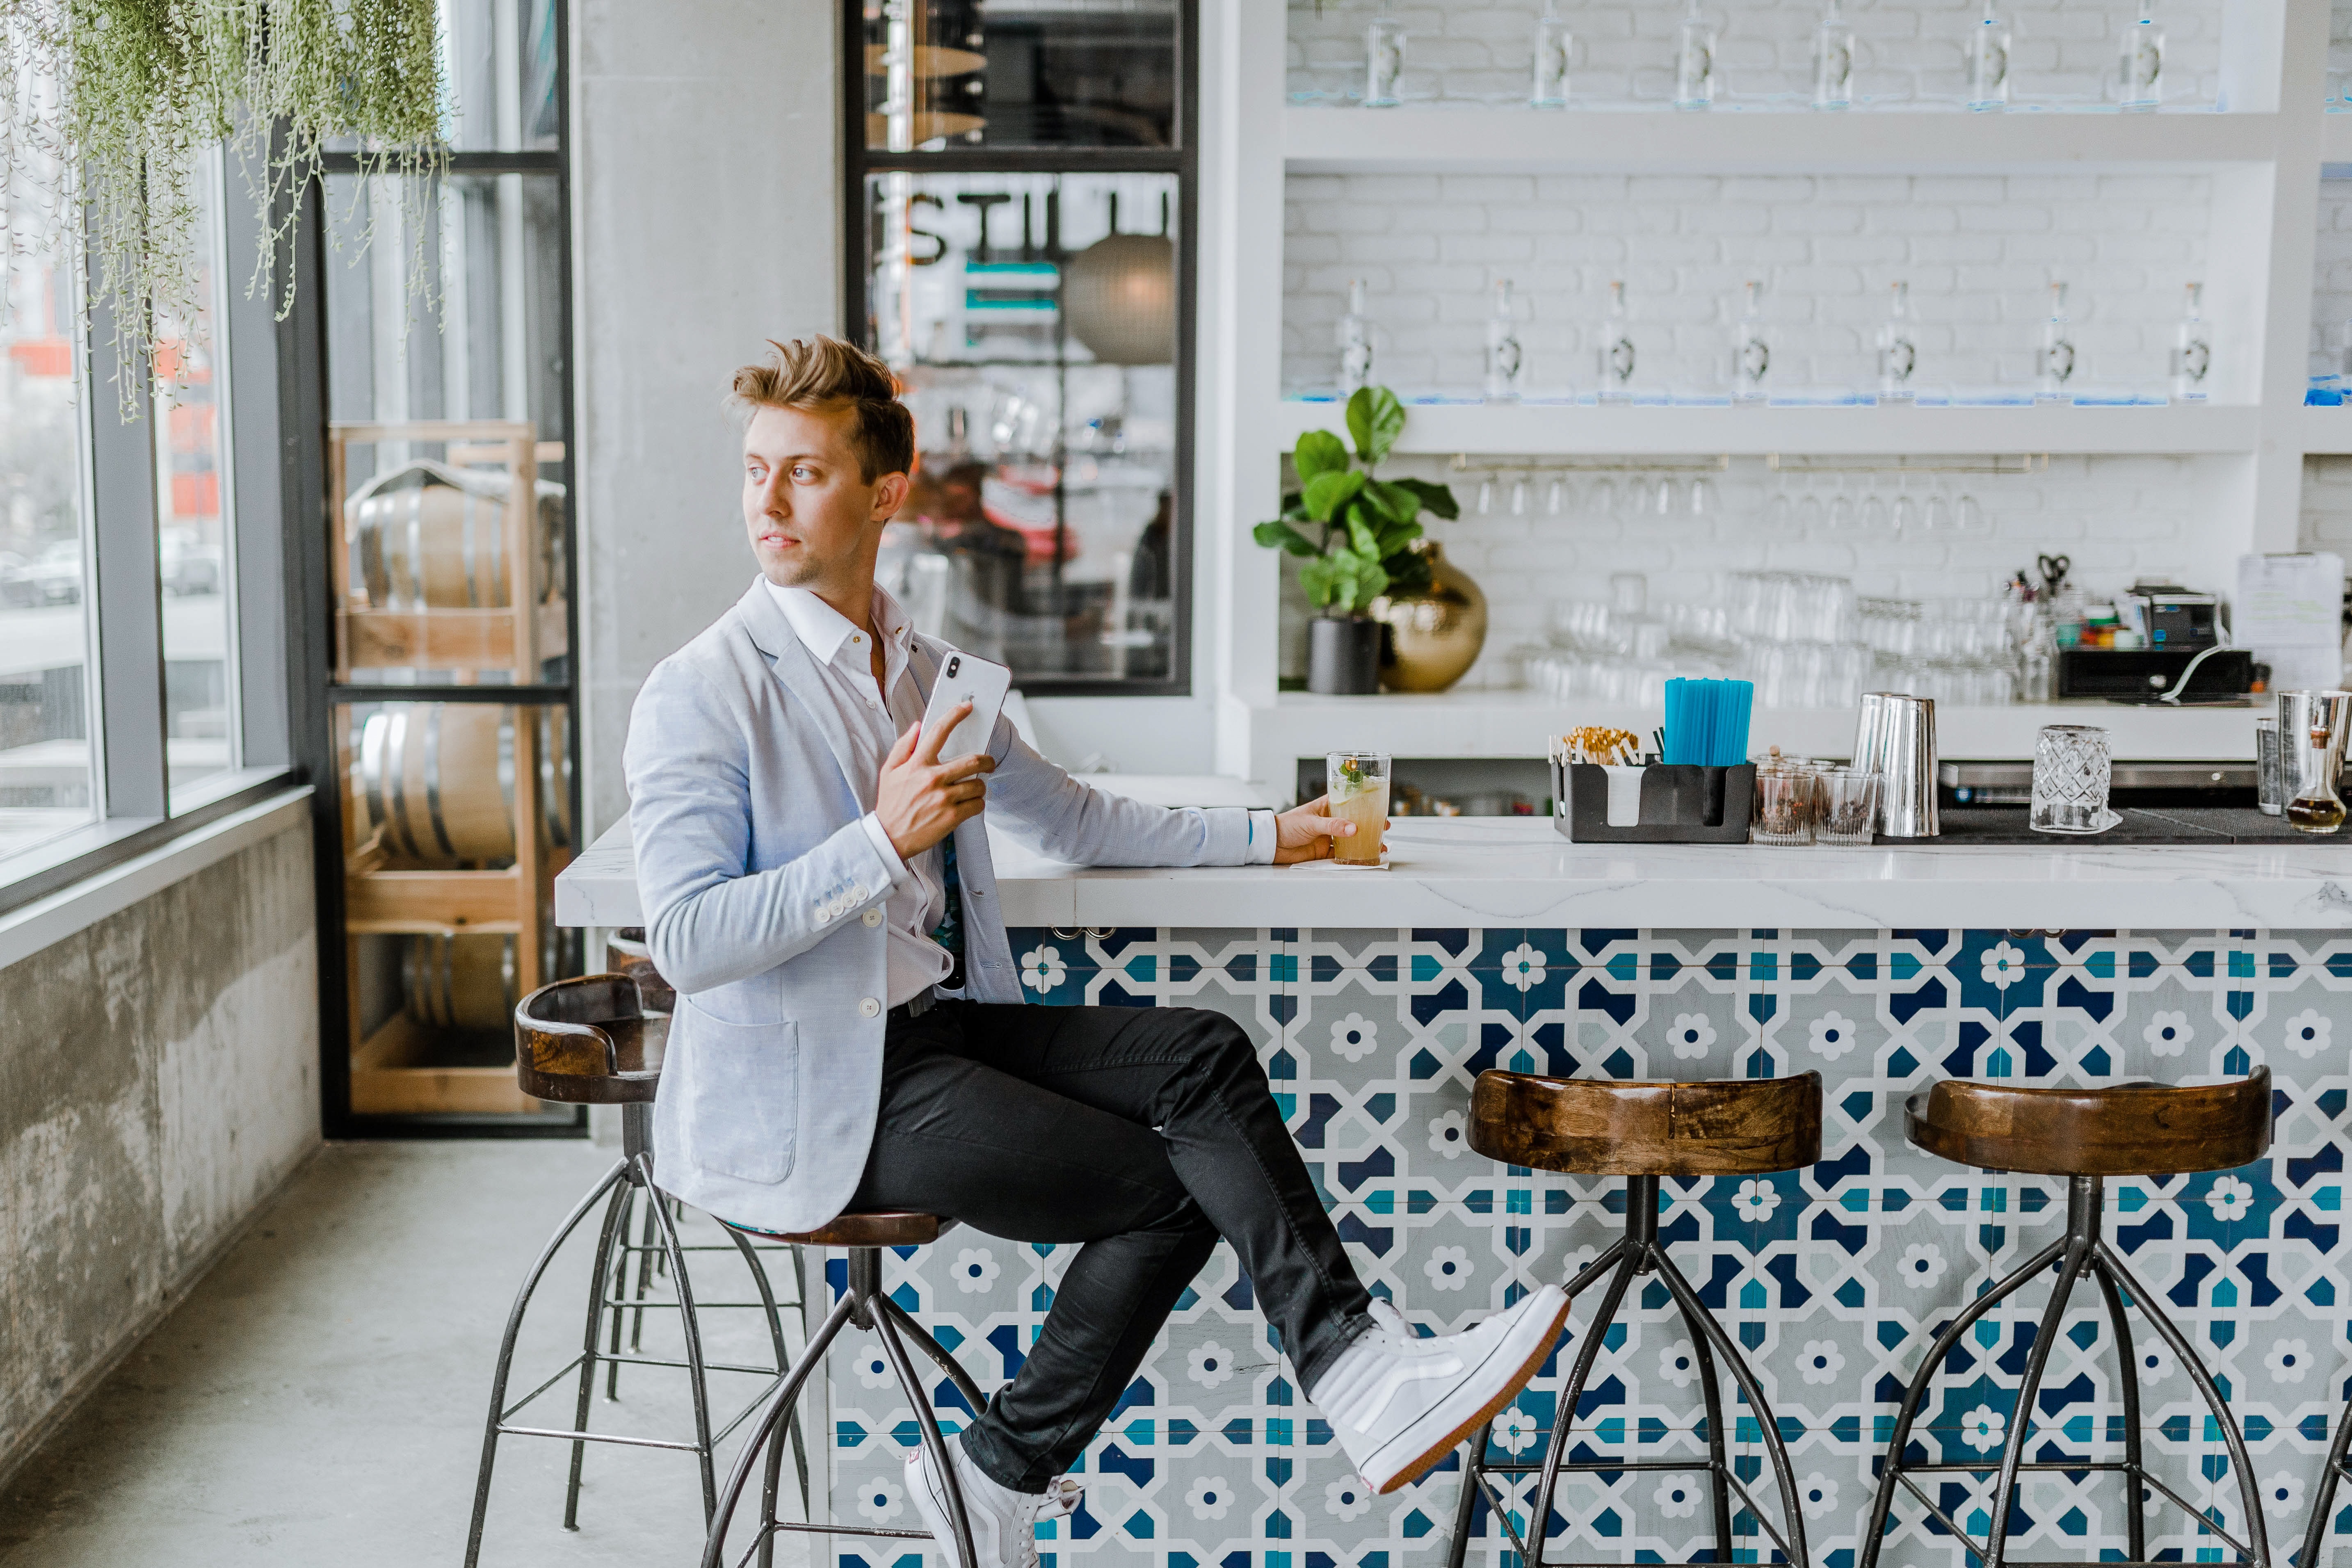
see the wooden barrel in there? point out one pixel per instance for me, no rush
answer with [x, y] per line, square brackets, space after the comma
[435, 544]
[460, 982]
[438, 780]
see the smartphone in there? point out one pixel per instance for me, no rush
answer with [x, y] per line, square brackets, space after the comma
[964, 679]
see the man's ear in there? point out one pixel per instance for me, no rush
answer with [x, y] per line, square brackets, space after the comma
[889, 495]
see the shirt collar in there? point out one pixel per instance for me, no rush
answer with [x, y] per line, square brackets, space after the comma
[823, 629]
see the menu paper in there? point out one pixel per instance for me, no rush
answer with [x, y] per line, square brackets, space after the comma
[2290, 612]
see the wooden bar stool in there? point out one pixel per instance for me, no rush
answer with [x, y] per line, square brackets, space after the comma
[591, 1042]
[2085, 1135]
[864, 1305]
[1642, 1132]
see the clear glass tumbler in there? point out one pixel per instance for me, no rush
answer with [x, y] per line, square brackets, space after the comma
[2270, 767]
[1784, 805]
[2071, 771]
[1847, 802]
[1358, 785]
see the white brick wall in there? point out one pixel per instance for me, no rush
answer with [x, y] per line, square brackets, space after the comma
[1905, 52]
[2118, 518]
[2328, 505]
[1979, 252]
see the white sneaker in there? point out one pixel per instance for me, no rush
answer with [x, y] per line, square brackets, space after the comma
[1003, 1521]
[1399, 1403]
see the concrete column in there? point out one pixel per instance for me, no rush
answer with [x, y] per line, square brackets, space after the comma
[705, 210]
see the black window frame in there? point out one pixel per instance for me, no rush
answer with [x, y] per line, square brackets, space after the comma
[1182, 161]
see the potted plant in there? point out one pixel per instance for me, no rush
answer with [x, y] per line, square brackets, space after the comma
[1354, 533]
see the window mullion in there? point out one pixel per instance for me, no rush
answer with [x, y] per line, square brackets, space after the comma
[127, 581]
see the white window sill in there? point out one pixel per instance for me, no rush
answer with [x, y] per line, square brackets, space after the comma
[111, 888]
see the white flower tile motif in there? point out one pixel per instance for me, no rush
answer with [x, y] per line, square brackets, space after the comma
[1833, 1279]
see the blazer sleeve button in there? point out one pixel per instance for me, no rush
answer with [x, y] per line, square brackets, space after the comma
[872, 917]
[869, 1009]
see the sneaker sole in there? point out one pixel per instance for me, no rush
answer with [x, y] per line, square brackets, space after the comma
[1412, 1472]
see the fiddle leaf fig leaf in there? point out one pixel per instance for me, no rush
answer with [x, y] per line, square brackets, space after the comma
[1322, 581]
[1282, 536]
[1326, 492]
[1401, 502]
[1363, 534]
[1375, 418]
[1434, 498]
[1318, 452]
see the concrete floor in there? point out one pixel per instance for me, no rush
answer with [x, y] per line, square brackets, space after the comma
[320, 1397]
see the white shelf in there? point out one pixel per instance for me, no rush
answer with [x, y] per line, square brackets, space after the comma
[1518, 724]
[1558, 430]
[2319, 432]
[2335, 142]
[1499, 141]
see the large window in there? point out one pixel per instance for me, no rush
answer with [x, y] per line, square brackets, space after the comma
[130, 709]
[1020, 209]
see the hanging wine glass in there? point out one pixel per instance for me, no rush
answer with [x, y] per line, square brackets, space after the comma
[1967, 516]
[1662, 500]
[1556, 496]
[1519, 496]
[1702, 497]
[1777, 512]
[1936, 515]
[1903, 516]
[1841, 511]
[1870, 516]
[1811, 514]
[1487, 496]
[1601, 498]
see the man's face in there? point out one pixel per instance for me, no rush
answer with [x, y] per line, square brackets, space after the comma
[811, 515]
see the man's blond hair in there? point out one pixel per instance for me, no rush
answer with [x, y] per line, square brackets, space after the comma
[823, 374]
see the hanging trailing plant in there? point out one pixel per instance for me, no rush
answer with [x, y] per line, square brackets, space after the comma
[114, 101]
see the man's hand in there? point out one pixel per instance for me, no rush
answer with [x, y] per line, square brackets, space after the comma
[1305, 832]
[919, 799]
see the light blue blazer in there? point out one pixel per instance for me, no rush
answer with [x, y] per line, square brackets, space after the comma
[763, 900]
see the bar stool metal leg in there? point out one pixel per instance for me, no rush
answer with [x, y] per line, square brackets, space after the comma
[2081, 1251]
[2314, 1534]
[1636, 1254]
[864, 1305]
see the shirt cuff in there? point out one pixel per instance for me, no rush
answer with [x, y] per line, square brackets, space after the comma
[900, 872]
[1262, 839]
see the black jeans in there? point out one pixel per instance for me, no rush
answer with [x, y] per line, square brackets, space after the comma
[1144, 1132]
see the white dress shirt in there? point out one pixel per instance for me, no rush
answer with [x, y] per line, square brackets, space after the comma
[875, 717]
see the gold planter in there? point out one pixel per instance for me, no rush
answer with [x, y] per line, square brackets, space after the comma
[1434, 635]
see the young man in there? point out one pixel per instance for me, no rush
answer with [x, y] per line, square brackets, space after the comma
[849, 1031]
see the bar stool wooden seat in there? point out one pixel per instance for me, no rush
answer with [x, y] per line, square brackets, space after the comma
[1643, 1132]
[863, 1305]
[591, 1041]
[2084, 1135]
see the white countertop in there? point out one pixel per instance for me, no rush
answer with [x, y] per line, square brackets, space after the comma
[1486, 872]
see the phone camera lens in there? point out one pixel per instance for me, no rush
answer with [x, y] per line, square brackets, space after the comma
[954, 665]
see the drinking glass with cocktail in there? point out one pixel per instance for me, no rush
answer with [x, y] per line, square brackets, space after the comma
[1356, 785]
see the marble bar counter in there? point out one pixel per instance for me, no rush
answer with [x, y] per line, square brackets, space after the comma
[1483, 872]
[1375, 998]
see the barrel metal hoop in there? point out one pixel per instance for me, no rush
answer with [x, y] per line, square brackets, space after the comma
[432, 780]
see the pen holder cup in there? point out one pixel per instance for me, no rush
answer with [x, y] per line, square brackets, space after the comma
[1656, 805]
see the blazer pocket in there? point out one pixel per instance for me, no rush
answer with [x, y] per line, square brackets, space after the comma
[743, 1092]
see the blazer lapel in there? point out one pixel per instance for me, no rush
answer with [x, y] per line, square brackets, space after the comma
[797, 668]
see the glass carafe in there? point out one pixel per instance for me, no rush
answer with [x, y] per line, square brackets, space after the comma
[2311, 735]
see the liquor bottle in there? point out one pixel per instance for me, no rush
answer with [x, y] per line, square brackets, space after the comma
[1751, 353]
[1355, 340]
[1693, 60]
[1833, 61]
[1898, 350]
[1616, 357]
[2057, 359]
[2192, 349]
[1553, 44]
[1989, 63]
[2140, 68]
[1502, 355]
[1383, 63]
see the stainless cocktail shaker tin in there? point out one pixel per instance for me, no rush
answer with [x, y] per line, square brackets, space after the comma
[1895, 736]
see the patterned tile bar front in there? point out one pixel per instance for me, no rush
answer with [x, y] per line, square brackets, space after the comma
[1834, 1277]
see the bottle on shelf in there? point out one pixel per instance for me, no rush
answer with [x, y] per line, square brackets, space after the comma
[1504, 358]
[1989, 62]
[1751, 352]
[1616, 357]
[1383, 63]
[1553, 44]
[1832, 61]
[2057, 358]
[1355, 340]
[1693, 60]
[1898, 348]
[2140, 66]
[2192, 349]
